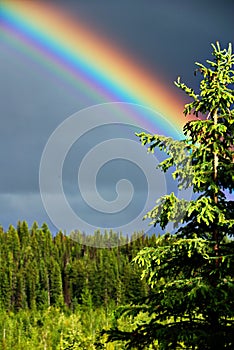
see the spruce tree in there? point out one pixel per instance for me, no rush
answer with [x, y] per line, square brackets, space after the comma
[191, 272]
[56, 289]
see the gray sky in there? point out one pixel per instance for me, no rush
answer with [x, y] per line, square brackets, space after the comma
[165, 36]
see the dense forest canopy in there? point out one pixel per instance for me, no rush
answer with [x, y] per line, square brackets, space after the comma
[38, 270]
[56, 293]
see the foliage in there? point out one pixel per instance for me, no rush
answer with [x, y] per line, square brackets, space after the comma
[58, 293]
[38, 270]
[191, 273]
[53, 329]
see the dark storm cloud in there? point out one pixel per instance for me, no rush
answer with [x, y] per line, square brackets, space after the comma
[31, 108]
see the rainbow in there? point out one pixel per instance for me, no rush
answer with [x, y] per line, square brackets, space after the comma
[72, 52]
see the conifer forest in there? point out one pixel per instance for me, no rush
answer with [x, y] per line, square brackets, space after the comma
[56, 293]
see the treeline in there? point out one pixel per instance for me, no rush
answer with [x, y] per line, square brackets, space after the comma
[39, 270]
